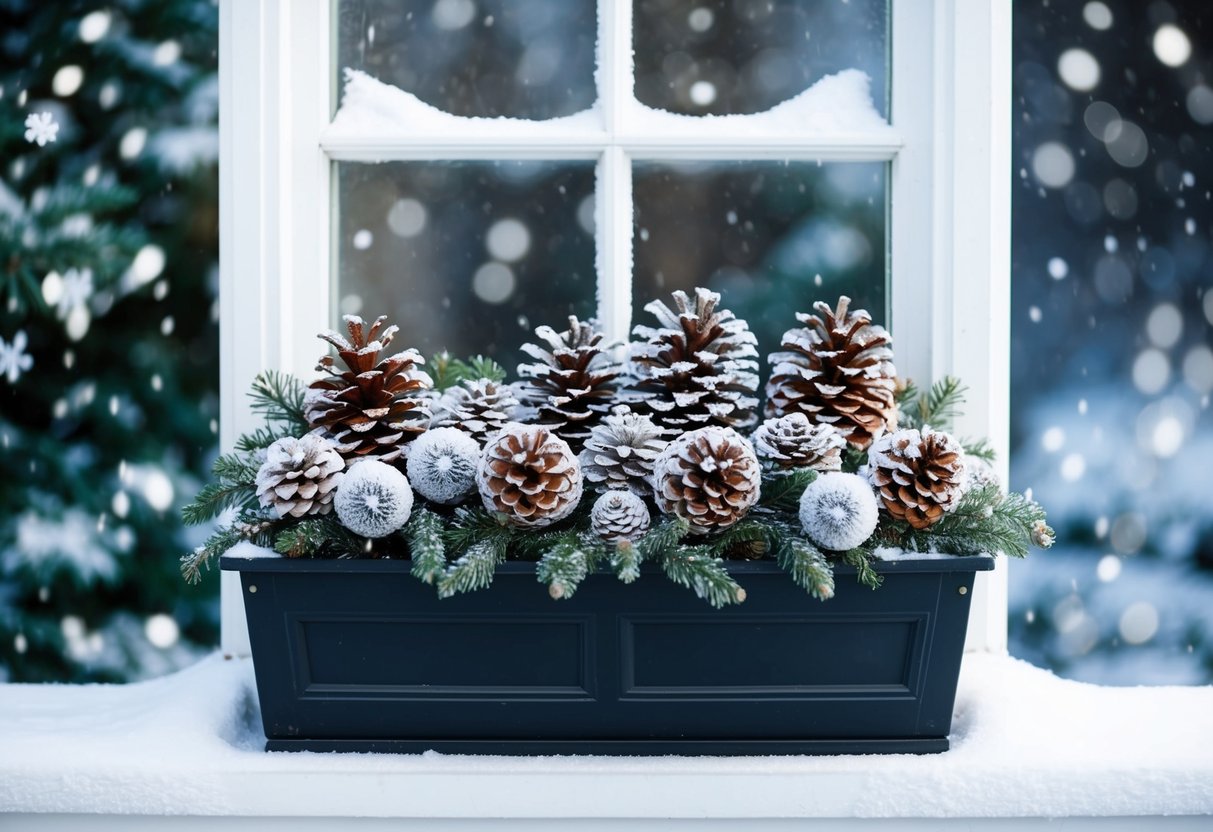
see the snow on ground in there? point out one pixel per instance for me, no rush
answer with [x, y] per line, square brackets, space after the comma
[1024, 744]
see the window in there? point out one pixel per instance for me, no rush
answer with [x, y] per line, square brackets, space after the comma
[361, 173]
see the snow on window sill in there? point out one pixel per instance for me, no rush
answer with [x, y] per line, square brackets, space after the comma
[1025, 744]
[837, 109]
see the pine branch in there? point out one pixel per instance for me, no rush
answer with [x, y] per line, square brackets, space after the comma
[694, 568]
[865, 573]
[941, 405]
[746, 539]
[564, 566]
[259, 439]
[234, 487]
[278, 397]
[781, 492]
[625, 560]
[304, 538]
[662, 538]
[980, 449]
[248, 527]
[986, 521]
[445, 371]
[473, 570]
[907, 395]
[479, 366]
[426, 546]
[807, 566]
[475, 525]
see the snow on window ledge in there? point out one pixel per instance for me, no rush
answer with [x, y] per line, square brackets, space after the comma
[836, 107]
[1024, 744]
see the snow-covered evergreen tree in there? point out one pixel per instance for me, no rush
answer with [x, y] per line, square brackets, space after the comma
[108, 344]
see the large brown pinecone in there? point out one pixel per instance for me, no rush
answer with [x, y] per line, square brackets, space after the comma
[838, 371]
[573, 381]
[697, 368]
[710, 477]
[300, 476]
[529, 474]
[793, 442]
[919, 475]
[479, 407]
[374, 406]
[621, 451]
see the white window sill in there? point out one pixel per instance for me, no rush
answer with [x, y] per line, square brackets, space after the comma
[1024, 745]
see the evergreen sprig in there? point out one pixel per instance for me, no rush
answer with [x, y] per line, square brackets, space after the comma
[625, 560]
[695, 568]
[986, 521]
[865, 573]
[234, 486]
[564, 566]
[661, 538]
[472, 570]
[447, 372]
[781, 492]
[278, 397]
[426, 546]
[248, 526]
[807, 566]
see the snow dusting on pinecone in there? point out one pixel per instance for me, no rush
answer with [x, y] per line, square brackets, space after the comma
[374, 499]
[920, 475]
[442, 465]
[619, 515]
[793, 442]
[621, 451]
[710, 477]
[299, 476]
[838, 511]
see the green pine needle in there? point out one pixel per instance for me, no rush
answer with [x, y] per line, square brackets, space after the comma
[807, 566]
[426, 546]
[564, 566]
[473, 570]
[695, 568]
[864, 572]
[278, 397]
[625, 560]
[781, 491]
[661, 538]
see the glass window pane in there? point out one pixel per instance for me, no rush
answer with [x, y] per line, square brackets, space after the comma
[522, 58]
[745, 56]
[771, 237]
[466, 256]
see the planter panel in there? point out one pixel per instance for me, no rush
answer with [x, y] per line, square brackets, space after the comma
[359, 655]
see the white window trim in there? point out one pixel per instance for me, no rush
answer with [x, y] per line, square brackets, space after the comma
[949, 219]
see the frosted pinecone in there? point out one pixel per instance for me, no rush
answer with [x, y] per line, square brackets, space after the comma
[442, 465]
[619, 515]
[918, 474]
[480, 408]
[621, 451]
[374, 499]
[298, 476]
[710, 477]
[793, 442]
[838, 511]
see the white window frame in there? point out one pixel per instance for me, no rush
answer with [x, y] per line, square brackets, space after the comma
[949, 233]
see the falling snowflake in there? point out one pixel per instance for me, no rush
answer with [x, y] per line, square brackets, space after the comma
[41, 128]
[77, 289]
[14, 360]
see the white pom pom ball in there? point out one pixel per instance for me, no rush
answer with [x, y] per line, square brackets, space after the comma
[442, 465]
[374, 499]
[838, 511]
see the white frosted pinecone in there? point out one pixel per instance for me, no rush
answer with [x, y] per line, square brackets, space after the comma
[374, 499]
[479, 407]
[299, 476]
[619, 515]
[793, 442]
[442, 465]
[621, 451]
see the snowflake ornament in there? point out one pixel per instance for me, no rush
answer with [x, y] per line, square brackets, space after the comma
[374, 499]
[838, 511]
[442, 465]
[41, 128]
[14, 360]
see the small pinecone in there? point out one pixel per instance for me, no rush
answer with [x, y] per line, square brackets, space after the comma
[697, 368]
[710, 477]
[374, 406]
[479, 407]
[792, 442]
[619, 515]
[838, 371]
[573, 381]
[919, 475]
[621, 451]
[529, 474]
[299, 476]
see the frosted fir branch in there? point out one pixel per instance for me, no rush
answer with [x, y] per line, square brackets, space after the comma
[625, 560]
[278, 397]
[865, 574]
[473, 570]
[475, 525]
[781, 492]
[563, 567]
[260, 439]
[749, 539]
[807, 566]
[661, 538]
[309, 536]
[695, 568]
[985, 522]
[250, 527]
[938, 407]
[426, 546]
[216, 498]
